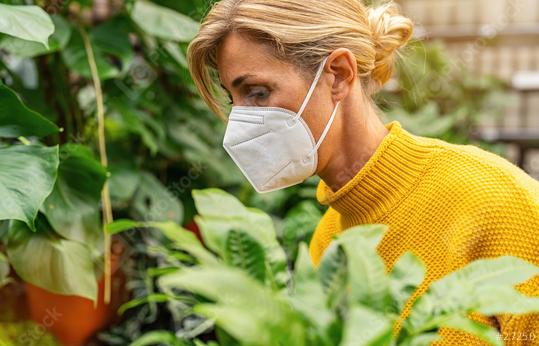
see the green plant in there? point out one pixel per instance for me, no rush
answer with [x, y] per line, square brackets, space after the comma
[239, 284]
[160, 144]
[51, 216]
[50, 179]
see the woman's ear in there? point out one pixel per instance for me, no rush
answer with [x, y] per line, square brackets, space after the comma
[342, 64]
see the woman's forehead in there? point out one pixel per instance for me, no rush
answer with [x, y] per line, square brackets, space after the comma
[239, 56]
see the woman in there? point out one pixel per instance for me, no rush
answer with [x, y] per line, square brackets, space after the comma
[301, 76]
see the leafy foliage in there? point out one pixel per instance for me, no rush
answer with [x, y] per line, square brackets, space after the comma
[349, 300]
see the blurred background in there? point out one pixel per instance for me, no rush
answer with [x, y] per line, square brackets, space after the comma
[492, 38]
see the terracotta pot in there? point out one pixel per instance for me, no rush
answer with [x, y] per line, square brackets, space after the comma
[74, 319]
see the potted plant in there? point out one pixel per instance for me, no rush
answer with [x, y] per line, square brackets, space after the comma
[51, 196]
[54, 239]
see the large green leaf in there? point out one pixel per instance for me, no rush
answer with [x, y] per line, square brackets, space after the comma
[234, 292]
[18, 120]
[221, 212]
[218, 203]
[163, 22]
[366, 327]
[222, 284]
[406, 275]
[366, 269]
[182, 239]
[245, 252]
[31, 49]
[111, 47]
[333, 271]
[308, 297]
[299, 226]
[27, 176]
[485, 286]
[250, 328]
[73, 207]
[46, 260]
[485, 332]
[27, 22]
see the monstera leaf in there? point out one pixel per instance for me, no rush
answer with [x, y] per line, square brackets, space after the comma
[27, 176]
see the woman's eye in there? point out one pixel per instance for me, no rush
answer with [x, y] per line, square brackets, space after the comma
[259, 93]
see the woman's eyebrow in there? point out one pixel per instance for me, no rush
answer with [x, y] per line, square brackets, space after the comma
[238, 81]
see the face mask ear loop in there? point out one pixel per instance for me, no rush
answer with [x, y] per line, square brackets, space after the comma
[311, 89]
[326, 130]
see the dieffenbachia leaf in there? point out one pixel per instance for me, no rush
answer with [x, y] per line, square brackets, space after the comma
[221, 212]
[46, 260]
[245, 252]
[30, 23]
[163, 22]
[30, 49]
[367, 327]
[27, 177]
[73, 207]
[485, 286]
[405, 276]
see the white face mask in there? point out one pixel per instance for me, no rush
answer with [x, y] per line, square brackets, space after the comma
[273, 146]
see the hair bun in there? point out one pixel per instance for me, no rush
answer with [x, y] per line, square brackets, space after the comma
[390, 31]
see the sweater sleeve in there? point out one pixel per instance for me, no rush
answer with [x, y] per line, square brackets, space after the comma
[523, 228]
[510, 226]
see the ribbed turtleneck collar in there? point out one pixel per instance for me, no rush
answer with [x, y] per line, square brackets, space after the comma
[387, 177]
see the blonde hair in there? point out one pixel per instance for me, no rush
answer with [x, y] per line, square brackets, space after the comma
[303, 33]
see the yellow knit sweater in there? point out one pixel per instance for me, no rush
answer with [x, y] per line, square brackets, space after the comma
[449, 204]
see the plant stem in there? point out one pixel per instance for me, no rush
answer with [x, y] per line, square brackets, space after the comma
[24, 140]
[105, 195]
